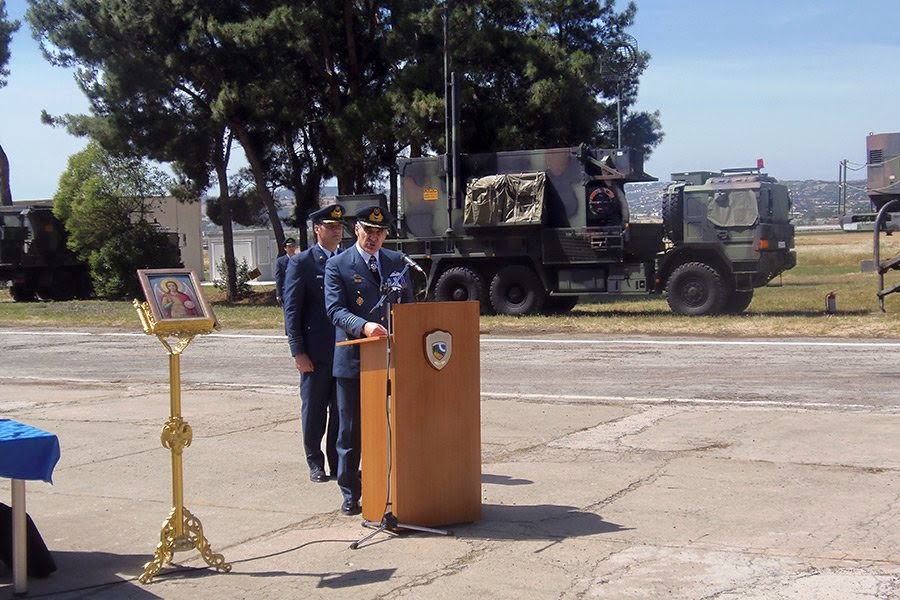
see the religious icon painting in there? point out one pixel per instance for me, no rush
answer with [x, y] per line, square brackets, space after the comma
[174, 296]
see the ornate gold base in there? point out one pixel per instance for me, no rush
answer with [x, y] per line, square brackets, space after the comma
[170, 542]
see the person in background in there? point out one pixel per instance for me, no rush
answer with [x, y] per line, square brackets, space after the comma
[353, 286]
[311, 339]
[281, 263]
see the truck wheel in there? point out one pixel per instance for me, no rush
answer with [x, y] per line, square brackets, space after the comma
[695, 289]
[738, 302]
[457, 284]
[516, 290]
[557, 305]
[20, 293]
[83, 286]
[62, 286]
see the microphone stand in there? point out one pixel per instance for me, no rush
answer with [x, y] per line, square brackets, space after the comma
[389, 523]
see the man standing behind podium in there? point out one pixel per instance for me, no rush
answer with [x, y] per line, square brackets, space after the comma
[311, 338]
[353, 286]
[281, 265]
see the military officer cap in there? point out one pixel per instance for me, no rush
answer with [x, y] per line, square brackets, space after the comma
[374, 216]
[333, 213]
[290, 242]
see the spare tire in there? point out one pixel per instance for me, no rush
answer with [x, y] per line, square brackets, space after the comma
[673, 212]
[605, 206]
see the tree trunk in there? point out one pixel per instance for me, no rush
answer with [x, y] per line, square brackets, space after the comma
[307, 195]
[306, 190]
[259, 176]
[5, 192]
[221, 160]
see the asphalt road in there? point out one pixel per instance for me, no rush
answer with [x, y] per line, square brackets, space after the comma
[572, 369]
[611, 468]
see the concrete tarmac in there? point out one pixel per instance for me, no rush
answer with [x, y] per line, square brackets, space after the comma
[580, 500]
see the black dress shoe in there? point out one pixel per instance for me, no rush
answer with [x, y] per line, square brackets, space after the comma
[318, 475]
[350, 507]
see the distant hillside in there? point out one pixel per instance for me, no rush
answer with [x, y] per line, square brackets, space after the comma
[815, 202]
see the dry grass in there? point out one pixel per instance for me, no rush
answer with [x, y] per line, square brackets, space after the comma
[794, 307]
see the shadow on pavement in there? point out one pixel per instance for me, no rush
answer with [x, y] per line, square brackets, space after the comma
[536, 522]
[79, 573]
[504, 480]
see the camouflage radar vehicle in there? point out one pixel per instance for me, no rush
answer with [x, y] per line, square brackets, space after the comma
[536, 229]
[34, 259]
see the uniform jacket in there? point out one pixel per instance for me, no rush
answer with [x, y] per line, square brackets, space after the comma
[307, 326]
[281, 264]
[351, 290]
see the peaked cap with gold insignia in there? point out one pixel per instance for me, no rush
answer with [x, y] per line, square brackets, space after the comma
[374, 216]
[333, 213]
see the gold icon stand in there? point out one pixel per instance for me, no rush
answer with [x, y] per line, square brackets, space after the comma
[181, 531]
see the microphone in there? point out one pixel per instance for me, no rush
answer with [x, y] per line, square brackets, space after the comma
[413, 264]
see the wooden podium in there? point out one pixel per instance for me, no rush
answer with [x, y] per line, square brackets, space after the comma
[435, 416]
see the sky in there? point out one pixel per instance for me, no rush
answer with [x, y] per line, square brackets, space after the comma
[797, 83]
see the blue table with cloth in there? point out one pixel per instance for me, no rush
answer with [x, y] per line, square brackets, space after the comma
[26, 452]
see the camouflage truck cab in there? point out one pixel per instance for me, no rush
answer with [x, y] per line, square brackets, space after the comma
[536, 229]
[731, 233]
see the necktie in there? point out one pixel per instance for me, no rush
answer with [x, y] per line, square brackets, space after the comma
[373, 265]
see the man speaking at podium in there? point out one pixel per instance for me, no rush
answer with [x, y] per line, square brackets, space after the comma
[354, 283]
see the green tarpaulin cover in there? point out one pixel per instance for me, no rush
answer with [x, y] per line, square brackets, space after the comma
[510, 199]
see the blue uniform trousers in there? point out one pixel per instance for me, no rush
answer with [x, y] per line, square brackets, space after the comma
[348, 442]
[319, 418]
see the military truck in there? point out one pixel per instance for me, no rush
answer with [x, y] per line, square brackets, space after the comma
[34, 258]
[536, 229]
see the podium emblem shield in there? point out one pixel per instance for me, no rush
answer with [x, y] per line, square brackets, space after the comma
[438, 348]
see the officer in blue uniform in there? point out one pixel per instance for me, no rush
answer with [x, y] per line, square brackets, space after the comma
[311, 339]
[353, 286]
[281, 264]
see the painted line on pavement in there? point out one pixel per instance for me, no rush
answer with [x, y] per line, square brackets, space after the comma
[524, 341]
[521, 341]
[289, 388]
[705, 401]
[131, 334]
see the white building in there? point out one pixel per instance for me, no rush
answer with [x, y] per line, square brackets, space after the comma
[183, 219]
[257, 246]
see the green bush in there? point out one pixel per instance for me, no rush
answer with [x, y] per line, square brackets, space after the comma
[114, 266]
[242, 277]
